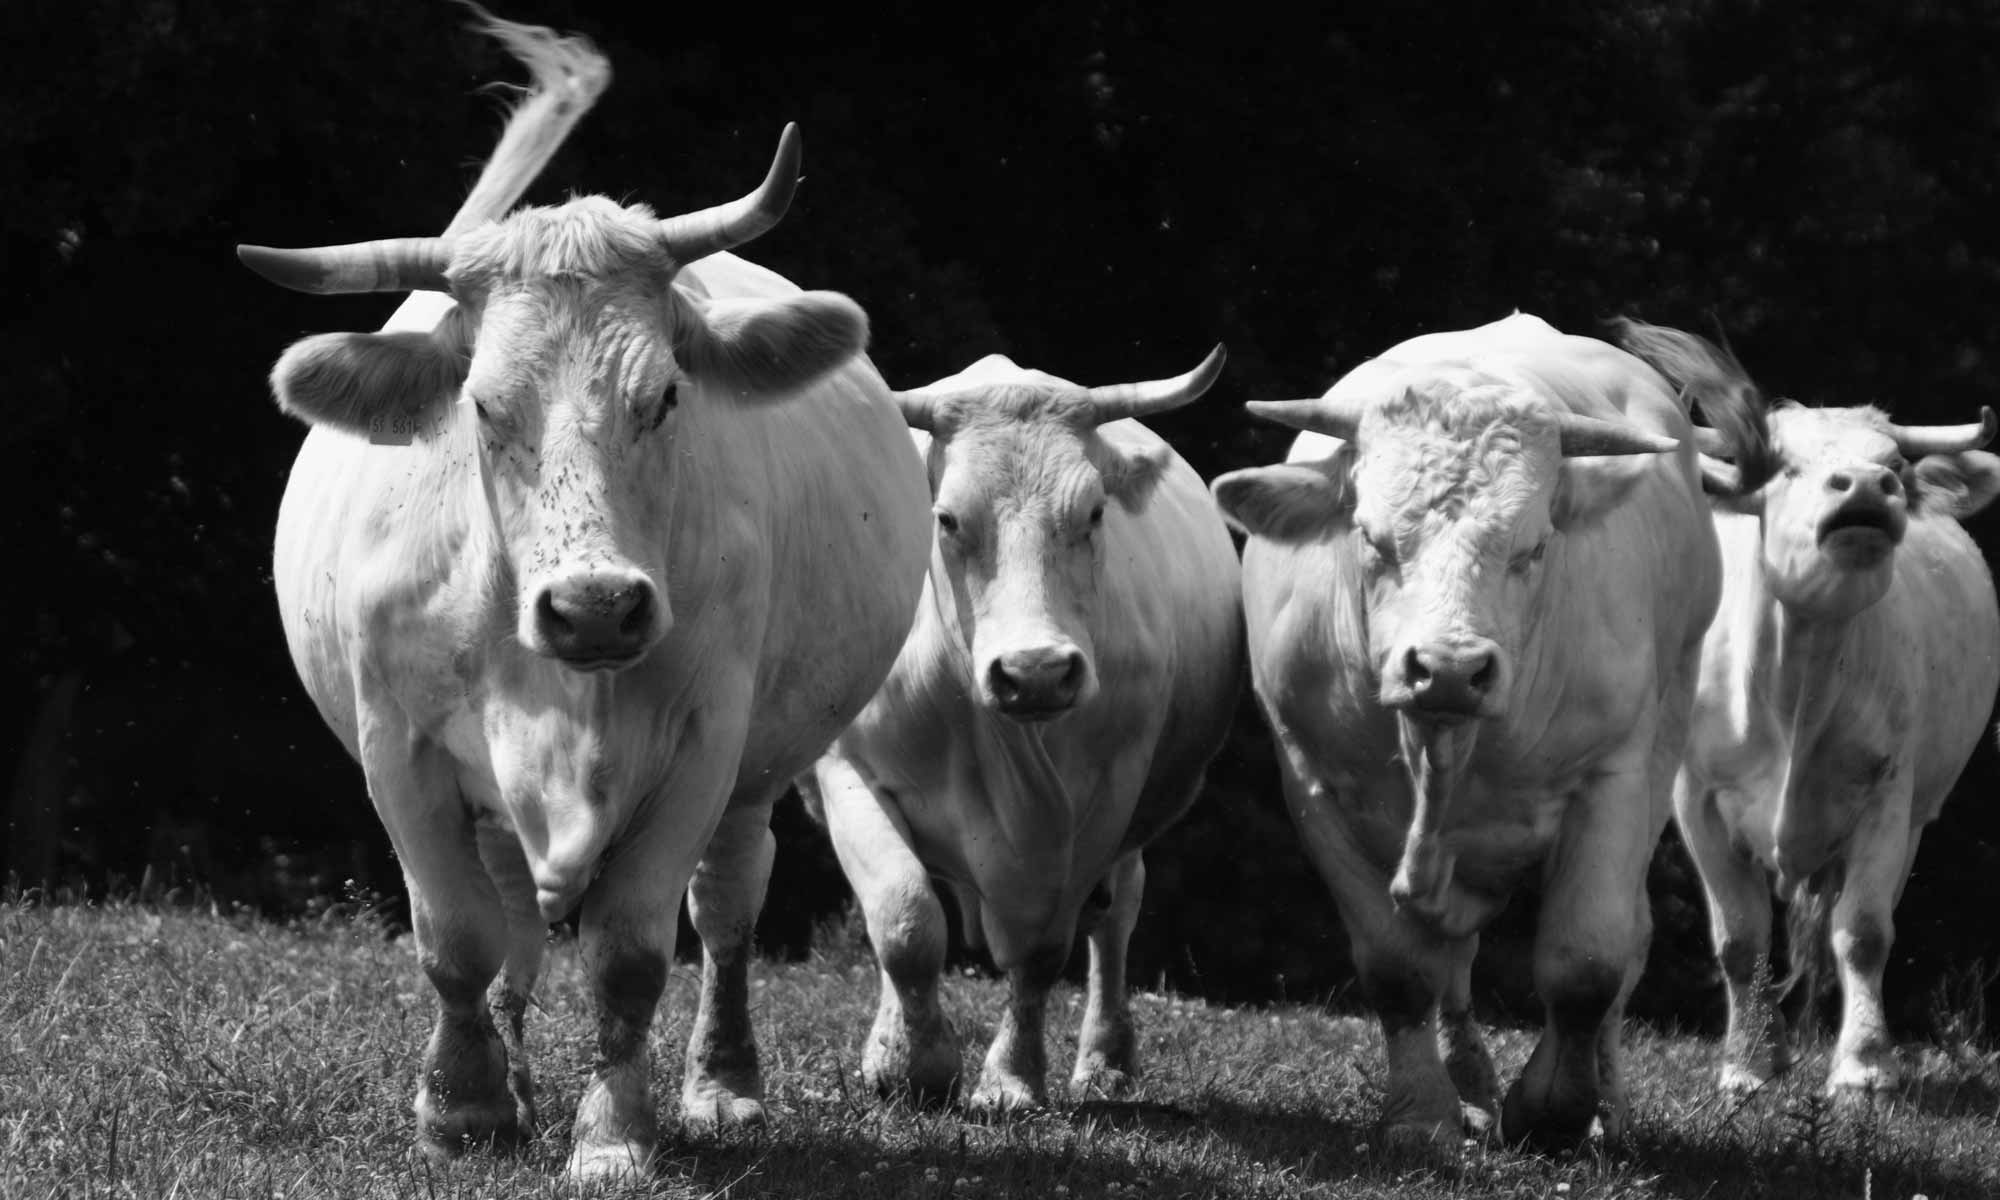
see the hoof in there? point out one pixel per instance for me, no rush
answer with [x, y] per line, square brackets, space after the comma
[720, 1111]
[610, 1165]
[928, 1077]
[1000, 1100]
[1478, 1121]
[1101, 1083]
[1546, 1130]
[1424, 1138]
[486, 1127]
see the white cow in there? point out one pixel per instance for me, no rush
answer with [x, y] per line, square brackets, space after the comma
[1075, 661]
[1474, 627]
[1848, 676]
[654, 539]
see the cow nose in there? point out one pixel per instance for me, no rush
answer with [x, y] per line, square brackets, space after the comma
[1040, 681]
[1860, 481]
[1454, 680]
[597, 620]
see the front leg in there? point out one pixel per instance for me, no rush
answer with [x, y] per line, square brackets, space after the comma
[461, 932]
[629, 922]
[1402, 966]
[723, 1085]
[1864, 1058]
[1739, 927]
[1589, 944]
[911, 1049]
[1107, 1055]
[1014, 1077]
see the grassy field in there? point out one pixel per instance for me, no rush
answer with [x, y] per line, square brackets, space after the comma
[169, 1053]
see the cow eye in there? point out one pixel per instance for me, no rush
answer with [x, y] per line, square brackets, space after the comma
[1097, 516]
[1529, 558]
[479, 406]
[669, 400]
[947, 524]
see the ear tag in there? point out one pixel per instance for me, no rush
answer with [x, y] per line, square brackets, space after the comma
[400, 428]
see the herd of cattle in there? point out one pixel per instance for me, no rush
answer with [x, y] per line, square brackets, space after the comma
[609, 537]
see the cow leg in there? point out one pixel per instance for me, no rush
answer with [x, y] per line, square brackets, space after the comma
[1107, 1056]
[1466, 1058]
[461, 932]
[1014, 1077]
[1401, 967]
[911, 1048]
[723, 1085]
[1593, 927]
[527, 936]
[1864, 1057]
[1739, 926]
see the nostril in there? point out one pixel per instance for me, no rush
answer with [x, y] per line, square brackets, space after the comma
[1840, 481]
[1072, 677]
[1003, 684]
[639, 613]
[1892, 483]
[1483, 677]
[1414, 669]
[553, 622]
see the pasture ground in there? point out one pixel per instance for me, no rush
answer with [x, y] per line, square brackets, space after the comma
[174, 1053]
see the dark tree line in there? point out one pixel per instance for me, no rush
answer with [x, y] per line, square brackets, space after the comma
[1101, 189]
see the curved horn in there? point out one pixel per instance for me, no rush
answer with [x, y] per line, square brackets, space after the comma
[1118, 400]
[697, 235]
[1335, 418]
[389, 265]
[1583, 435]
[1915, 441]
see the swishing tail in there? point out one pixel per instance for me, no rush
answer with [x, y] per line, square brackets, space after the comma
[1809, 947]
[569, 75]
[1729, 401]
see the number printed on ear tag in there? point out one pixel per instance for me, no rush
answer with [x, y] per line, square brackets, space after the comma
[400, 428]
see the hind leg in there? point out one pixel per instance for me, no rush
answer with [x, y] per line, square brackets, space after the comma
[1107, 1056]
[527, 937]
[723, 1084]
[1466, 1058]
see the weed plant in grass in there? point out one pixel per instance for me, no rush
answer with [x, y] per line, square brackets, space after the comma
[150, 1053]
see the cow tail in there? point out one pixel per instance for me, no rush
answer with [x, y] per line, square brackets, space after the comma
[1809, 947]
[1716, 382]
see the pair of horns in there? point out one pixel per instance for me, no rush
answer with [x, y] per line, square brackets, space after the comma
[414, 264]
[925, 409]
[1914, 441]
[1581, 435]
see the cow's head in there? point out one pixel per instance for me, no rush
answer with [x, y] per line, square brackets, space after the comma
[1847, 482]
[1834, 488]
[1022, 483]
[1453, 489]
[575, 370]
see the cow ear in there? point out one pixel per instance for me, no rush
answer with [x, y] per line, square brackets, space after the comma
[1131, 475]
[1288, 502]
[363, 382]
[767, 349]
[1957, 485]
[1590, 487]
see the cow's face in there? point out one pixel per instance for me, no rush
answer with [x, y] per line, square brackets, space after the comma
[1027, 493]
[578, 376]
[1452, 494]
[1453, 514]
[1841, 500]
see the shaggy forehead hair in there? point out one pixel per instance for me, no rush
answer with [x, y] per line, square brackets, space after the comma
[589, 238]
[1459, 439]
[1809, 425]
[1012, 424]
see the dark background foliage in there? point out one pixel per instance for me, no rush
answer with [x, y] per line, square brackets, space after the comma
[1102, 189]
